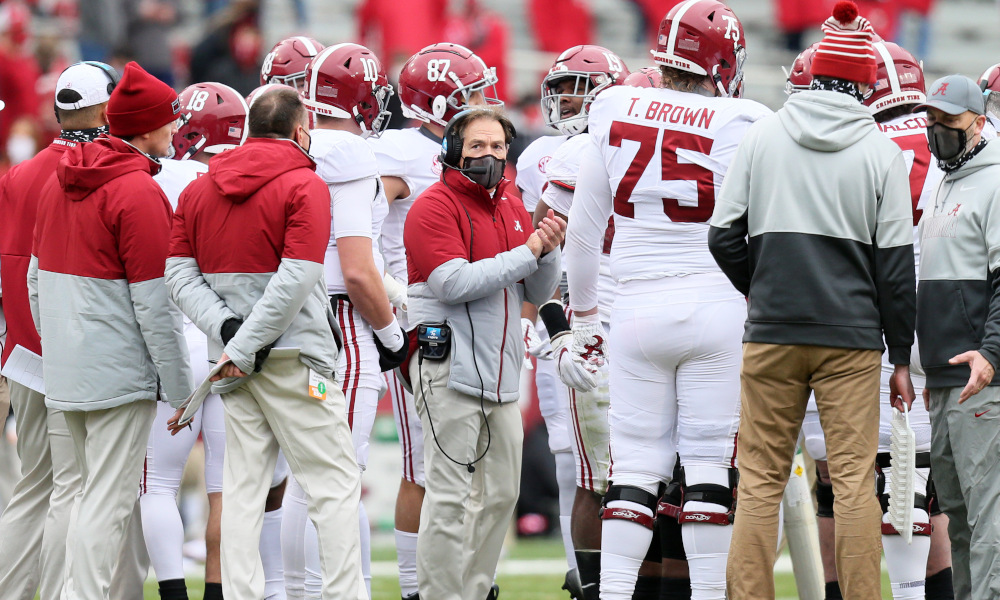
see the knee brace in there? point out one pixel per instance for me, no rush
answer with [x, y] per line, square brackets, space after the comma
[824, 498]
[627, 493]
[711, 493]
[667, 511]
[882, 461]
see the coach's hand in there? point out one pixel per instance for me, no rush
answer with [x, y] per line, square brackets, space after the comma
[981, 376]
[901, 388]
[229, 370]
[548, 236]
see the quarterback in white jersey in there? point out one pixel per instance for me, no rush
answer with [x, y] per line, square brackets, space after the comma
[347, 90]
[577, 439]
[657, 160]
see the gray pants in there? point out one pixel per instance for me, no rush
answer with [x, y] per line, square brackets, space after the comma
[965, 463]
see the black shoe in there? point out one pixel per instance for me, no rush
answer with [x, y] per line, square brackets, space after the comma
[572, 585]
[413, 596]
[494, 592]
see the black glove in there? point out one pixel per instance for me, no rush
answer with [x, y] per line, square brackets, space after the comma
[229, 329]
[388, 359]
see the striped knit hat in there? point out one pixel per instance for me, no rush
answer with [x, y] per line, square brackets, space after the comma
[846, 50]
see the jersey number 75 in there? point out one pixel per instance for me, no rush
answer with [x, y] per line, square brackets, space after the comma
[671, 170]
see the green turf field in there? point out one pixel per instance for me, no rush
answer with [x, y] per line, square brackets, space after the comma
[512, 585]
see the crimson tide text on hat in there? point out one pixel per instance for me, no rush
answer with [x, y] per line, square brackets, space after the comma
[140, 103]
[846, 50]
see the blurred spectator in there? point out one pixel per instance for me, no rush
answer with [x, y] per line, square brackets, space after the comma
[395, 30]
[18, 69]
[102, 28]
[485, 33]
[232, 50]
[560, 24]
[149, 23]
[651, 12]
[921, 10]
[795, 17]
[883, 15]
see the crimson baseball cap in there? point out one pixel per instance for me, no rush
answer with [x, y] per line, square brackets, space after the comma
[954, 95]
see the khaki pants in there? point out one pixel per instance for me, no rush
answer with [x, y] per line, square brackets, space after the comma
[110, 450]
[34, 525]
[274, 409]
[776, 380]
[465, 515]
[965, 461]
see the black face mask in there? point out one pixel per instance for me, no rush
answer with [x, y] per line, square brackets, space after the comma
[485, 170]
[947, 143]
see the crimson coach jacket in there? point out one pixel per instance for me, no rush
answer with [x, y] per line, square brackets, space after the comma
[248, 242]
[95, 282]
[465, 251]
[20, 189]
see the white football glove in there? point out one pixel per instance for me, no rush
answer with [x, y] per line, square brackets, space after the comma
[589, 343]
[572, 371]
[533, 344]
[396, 291]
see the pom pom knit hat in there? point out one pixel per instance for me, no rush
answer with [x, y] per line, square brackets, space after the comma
[846, 50]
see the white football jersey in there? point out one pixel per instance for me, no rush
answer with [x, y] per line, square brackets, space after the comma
[561, 173]
[344, 158]
[665, 154]
[415, 158]
[175, 175]
[910, 134]
[532, 166]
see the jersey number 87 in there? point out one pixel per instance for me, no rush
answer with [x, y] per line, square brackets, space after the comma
[671, 170]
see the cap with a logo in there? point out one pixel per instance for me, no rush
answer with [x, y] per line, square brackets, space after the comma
[140, 103]
[954, 95]
[85, 84]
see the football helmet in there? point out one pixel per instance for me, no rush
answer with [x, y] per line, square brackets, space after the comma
[348, 81]
[287, 61]
[436, 83]
[646, 77]
[989, 82]
[799, 78]
[704, 37]
[213, 118]
[593, 68]
[899, 78]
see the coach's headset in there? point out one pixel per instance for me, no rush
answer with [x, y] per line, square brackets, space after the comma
[430, 337]
[110, 72]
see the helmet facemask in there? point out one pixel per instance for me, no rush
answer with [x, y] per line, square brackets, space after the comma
[381, 93]
[590, 83]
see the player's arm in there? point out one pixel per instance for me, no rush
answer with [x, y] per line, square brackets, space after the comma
[351, 205]
[395, 188]
[588, 219]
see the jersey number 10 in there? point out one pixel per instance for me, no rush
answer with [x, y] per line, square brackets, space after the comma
[671, 170]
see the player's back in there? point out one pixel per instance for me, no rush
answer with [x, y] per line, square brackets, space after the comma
[175, 175]
[909, 132]
[666, 153]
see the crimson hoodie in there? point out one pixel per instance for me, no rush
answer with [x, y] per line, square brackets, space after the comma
[95, 282]
[248, 242]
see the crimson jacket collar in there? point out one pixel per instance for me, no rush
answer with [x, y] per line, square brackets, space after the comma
[459, 183]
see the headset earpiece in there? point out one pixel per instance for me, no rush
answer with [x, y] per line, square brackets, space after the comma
[451, 142]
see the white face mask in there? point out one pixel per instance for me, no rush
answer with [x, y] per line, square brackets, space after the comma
[20, 148]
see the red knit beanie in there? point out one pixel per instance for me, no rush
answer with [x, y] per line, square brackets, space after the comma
[846, 50]
[140, 103]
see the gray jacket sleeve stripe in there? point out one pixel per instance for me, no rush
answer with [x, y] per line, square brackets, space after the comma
[541, 285]
[33, 292]
[458, 280]
[162, 330]
[195, 296]
[283, 298]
